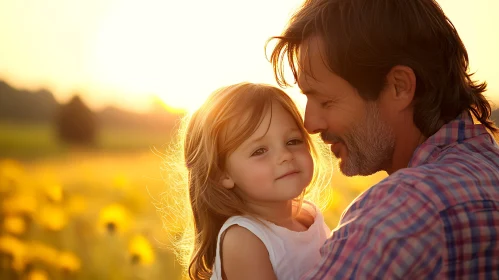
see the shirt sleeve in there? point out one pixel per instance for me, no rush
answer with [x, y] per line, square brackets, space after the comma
[389, 234]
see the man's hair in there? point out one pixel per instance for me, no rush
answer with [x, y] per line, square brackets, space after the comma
[364, 39]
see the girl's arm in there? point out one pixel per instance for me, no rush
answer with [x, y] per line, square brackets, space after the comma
[244, 256]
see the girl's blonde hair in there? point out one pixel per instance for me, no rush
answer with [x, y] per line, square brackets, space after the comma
[227, 118]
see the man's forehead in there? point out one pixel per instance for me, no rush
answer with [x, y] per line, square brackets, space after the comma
[310, 61]
[303, 58]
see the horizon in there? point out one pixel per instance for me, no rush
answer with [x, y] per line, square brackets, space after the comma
[159, 104]
[94, 49]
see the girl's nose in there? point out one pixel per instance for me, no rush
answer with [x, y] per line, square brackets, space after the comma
[285, 155]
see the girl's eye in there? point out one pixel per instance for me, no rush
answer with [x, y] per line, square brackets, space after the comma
[295, 142]
[258, 152]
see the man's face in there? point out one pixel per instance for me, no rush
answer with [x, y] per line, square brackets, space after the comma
[354, 127]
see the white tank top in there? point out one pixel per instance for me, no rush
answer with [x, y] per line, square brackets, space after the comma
[291, 253]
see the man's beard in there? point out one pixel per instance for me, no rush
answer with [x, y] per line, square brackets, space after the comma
[370, 144]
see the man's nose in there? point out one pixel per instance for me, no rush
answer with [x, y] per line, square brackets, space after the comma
[314, 122]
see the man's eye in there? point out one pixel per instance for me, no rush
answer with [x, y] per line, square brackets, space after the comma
[295, 142]
[325, 104]
[258, 152]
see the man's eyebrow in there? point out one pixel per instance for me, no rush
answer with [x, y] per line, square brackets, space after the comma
[309, 92]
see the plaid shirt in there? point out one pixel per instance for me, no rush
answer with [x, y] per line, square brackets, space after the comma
[436, 219]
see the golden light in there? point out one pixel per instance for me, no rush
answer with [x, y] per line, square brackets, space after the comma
[127, 53]
[181, 54]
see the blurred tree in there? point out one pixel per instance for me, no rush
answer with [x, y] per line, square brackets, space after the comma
[76, 123]
[24, 105]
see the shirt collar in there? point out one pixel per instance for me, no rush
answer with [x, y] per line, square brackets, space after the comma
[455, 131]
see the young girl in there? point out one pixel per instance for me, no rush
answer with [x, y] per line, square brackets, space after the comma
[249, 163]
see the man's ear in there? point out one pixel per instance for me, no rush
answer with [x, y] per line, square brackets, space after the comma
[227, 182]
[401, 86]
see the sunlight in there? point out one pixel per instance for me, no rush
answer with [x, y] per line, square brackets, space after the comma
[139, 49]
[128, 53]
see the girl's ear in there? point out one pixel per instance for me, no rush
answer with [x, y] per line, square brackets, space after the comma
[227, 182]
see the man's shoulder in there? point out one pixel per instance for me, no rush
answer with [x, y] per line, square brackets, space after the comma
[416, 184]
[405, 180]
[390, 202]
[403, 183]
[441, 184]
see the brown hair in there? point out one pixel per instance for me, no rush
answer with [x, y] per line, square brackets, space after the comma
[228, 117]
[364, 39]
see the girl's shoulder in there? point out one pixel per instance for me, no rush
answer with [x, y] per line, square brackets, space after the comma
[243, 253]
[238, 240]
[245, 227]
[250, 223]
[244, 248]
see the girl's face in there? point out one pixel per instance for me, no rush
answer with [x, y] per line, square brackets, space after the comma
[272, 165]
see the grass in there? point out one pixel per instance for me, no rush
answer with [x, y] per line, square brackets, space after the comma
[32, 140]
[28, 140]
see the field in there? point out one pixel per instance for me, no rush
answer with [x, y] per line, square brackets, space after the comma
[90, 213]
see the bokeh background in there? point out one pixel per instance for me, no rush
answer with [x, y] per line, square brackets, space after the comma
[91, 94]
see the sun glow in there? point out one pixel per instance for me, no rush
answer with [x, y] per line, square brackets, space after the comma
[129, 53]
[146, 48]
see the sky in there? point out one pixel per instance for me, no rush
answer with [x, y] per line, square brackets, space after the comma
[129, 53]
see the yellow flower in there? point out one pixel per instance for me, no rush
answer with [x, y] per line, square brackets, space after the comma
[52, 217]
[16, 249]
[113, 218]
[69, 262]
[14, 224]
[54, 192]
[21, 203]
[19, 262]
[43, 253]
[141, 251]
[37, 274]
[10, 245]
[10, 173]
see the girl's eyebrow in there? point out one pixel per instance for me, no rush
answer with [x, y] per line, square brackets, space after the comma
[255, 141]
[251, 143]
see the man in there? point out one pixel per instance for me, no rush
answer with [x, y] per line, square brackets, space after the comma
[387, 86]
